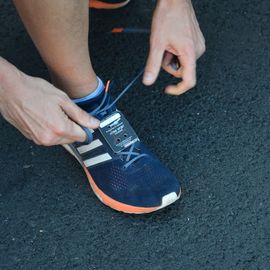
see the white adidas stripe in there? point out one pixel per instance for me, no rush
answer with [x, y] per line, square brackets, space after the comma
[85, 148]
[96, 160]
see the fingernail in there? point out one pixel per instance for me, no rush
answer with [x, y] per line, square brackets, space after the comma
[95, 122]
[148, 78]
[168, 91]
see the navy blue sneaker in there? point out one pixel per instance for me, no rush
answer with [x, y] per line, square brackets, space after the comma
[108, 4]
[122, 172]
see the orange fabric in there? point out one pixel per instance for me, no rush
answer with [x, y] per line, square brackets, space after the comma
[99, 4]
[118, 30]
[107, 86]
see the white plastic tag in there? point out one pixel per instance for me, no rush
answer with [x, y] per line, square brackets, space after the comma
[117, 132]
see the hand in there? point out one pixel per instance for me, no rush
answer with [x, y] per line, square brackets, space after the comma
[176, 43]
[40, 111]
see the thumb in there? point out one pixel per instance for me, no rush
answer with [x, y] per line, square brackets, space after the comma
[153, 65]
[79, 116]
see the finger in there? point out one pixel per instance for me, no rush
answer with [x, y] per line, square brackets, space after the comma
[176, 73]
[66, 131]
[188, 64]
[171, 65]
[153, 65]
[167, 58]
[78, 115]
[73, 133]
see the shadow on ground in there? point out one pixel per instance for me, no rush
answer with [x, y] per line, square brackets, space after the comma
[216, 138]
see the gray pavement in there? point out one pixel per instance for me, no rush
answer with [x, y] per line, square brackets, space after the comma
[216, 138]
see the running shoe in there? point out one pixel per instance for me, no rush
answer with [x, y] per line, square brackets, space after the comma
[108, 4]
[122, 172]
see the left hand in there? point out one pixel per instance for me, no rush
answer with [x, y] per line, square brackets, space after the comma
[176, 39]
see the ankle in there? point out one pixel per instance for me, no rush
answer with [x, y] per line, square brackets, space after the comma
[99, 90]
[82, 89]
[76, 88]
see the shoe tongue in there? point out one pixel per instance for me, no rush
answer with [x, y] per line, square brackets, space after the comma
[91, 104]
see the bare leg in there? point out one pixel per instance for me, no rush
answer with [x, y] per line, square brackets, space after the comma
[59, 29]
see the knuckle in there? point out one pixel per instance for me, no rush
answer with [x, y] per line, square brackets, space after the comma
[40, 80]
[63, 97]
[46, 139]
[202, 49]
[189, 46]
[192, 83]
[37, 142]
[59, 130]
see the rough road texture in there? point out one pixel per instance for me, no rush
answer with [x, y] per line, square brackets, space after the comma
[216, 138]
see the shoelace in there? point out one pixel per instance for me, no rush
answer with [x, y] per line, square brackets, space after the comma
[132, 150]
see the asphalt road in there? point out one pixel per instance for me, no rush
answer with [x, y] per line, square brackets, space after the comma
[216, 138]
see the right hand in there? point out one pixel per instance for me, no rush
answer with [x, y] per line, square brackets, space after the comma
[41, 112]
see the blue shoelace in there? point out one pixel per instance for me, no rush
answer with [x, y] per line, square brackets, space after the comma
[132, 151]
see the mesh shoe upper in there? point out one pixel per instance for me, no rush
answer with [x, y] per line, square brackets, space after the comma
[142, 184]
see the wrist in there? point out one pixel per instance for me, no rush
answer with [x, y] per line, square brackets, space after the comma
[171, 3]
[9, 75]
